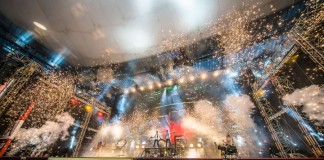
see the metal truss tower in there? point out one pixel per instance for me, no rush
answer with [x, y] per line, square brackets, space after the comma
[65, 97]
[283, 87]
[308, 32]
[308, 36]
[282, 141]
[21, 77]
[82, 134]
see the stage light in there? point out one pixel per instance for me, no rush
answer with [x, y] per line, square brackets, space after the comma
[159, 85]
[100, 114]
[137, 146]
[216, 73]
[150, 86]
[181, 80]
[191, 78]
[74, 101]
[169, 82]
[142, 88]
[198, 145]
[126, 91]
[88, 108]
[133, 90]
[40, 26]
[191, 146]
[143, 146]
[203, 76]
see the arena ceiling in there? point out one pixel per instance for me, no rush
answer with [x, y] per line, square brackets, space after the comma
[99, 32]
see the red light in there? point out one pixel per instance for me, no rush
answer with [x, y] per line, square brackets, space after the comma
[74, 101]
[100, 114]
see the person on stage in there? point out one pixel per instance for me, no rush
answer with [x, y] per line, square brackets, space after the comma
[229, 140]
[156, 139]
[167, 139]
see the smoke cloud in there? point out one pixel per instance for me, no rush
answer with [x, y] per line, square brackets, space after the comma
[312, 99]
[42, 137]
[240, 108]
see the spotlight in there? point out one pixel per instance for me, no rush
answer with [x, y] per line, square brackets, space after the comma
[191, 145]
[137, 146]
[142, 88]
[216, 73]
[199, 145]
[133, 90]
[203, 76]
[181, 80]
[150, 86]
[192, 78]
[126, 91]
[100, 114]
[169, 82]
[88, 108]
[74, 101]
[159, 85]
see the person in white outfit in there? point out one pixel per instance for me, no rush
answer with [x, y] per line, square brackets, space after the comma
[156, 139]
[167, 139]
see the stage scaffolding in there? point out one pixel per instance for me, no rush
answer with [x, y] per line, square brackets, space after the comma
[308, 37]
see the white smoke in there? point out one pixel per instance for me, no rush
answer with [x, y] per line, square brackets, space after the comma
[214, 122]
[240, 108]
[206, 120]
[41, 137]
[312, 99]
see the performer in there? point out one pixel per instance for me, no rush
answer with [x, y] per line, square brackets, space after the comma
[167, 138]
[98, 148]
[156, 139]
[229, 140]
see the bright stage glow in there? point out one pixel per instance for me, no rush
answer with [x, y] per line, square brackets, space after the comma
[40, 25]
[169, 82]
[142, 88]
[88, 108]
[191, 145]
[100, 114]
[150, 86]
[203, 76]
[199, 145]
[191, 78]
[192, 153]
[159, 85]
[133, 90]
[216, 73]
[181, 80]
[126, 91]
[117, 131]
